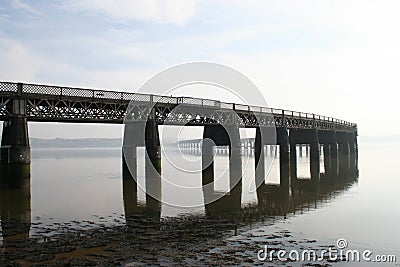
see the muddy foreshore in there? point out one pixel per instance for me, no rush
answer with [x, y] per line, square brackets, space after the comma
[143, 241]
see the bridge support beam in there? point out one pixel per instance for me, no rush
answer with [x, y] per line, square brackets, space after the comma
[305, 136]
[15, 141]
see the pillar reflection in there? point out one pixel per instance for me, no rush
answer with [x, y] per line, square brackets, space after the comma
[15, 203]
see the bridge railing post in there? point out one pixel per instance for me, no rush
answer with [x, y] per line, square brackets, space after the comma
[313, 117]
[19, 88]
[151, 99]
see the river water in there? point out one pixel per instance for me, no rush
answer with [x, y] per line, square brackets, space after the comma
[83, 189]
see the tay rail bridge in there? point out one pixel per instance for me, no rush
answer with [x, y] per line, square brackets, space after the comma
[22, 102]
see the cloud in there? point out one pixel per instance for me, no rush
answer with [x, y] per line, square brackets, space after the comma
[16, 62]
[160, 11]
[338, 58]
[19, 4]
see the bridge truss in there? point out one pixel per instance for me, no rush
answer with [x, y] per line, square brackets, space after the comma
[66, 104]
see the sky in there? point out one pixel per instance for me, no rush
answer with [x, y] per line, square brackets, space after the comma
[335, 58]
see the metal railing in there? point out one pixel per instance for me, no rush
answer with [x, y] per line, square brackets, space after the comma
[7, 88]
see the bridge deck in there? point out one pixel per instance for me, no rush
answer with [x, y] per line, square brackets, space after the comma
[66, 104]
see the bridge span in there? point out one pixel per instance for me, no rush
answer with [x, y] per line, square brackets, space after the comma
[20, 103]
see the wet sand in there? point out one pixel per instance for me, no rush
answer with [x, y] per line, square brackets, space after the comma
[144, 239]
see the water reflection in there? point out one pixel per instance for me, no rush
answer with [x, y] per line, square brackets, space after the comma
[15, 204]
[272, 199]
[148, 232]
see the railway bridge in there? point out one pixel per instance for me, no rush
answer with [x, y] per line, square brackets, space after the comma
[142, 113]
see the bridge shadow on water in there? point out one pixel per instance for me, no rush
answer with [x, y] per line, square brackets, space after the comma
[272, 199]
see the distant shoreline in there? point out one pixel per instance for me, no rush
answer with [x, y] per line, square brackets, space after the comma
[76, 143]
[117, 142]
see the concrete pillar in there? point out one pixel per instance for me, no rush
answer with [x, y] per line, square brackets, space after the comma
[134, 137]
[327, 158]
[314, 160]
[235, 165]
[143, 133]
[353, 154]
[293, 158]
[15, 141]
[218, 135]
[356, 152]
[259, 159]
[344, 159]
[284, 159]
[334, 159]
[310, 137]
[293, 161]
[152, 166]
[130, 192]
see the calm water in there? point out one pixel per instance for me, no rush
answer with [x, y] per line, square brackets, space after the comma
[70, 185]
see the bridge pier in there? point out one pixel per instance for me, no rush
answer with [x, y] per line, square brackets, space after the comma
[272, 136]
[354, 154]
[310, 137]
[259, 159]
[134, 136]
[344, 140]
[15, 141]
[334, 159]
[152, 166]
[344, 159]
[327, 158]
[144, 133]
[314, 157]
[293, 160]
[130, 191]
[329, 141]
[218, 135]
[284, 158]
